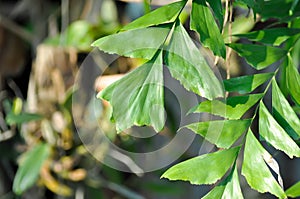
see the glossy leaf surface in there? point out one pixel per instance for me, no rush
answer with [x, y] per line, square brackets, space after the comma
[255, 169]
[187, 65]
[258, 56]
[204, 169]
[222, 133]
[246, 84]
[274, 134]
[137, 98]
[202, 21]
[29, 168]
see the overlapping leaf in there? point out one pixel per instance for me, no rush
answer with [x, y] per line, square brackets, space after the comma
[187, 65]
[216, 6]
[255, 169]
[137, 98]
[137, 43]
[162, 15]
[284, 113]
[274, 134]
[246, 84]
[29, 168]
[234, 107]
[269, 9]
[230, 188]
[222, 133]
[274, 36]
[293, 80]
[202, 21]
[204, 169]
[258, 56]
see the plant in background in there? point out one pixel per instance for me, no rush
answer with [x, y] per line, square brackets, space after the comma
[160, 38]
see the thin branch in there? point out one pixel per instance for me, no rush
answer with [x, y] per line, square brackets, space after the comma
[16, 29]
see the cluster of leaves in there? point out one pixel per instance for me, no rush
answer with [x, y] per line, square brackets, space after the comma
[160, 38]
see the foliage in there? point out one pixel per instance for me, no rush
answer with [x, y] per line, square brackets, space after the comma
[137, 99]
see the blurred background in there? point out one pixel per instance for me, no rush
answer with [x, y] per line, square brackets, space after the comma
[43, 45]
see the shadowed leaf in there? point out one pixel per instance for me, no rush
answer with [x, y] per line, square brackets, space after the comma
[274, 134]
[258, 56]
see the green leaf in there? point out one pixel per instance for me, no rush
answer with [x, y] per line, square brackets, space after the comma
[230, 188]
[187, 65]
[246, 84]
[29, 168]
[284, 113]
[258, 56]
[162, 15]
[222, 133]
[21, 118]
[293, 191]
[293, 80]
[204, 23]
[204, 169]
[273, 36]
[216, 6]
[255, 169]
[269, 9]
[137, 43]
[274, 134]
[79, 34]
[234, 108]
[137, 98]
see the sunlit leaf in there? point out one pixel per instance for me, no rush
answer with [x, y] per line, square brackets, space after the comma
[137, 43]
[258, 56]
[204, 23]
[137, 98]
[284, 113]
[21, 118]
[187, 65]
[246, 84]
[274, 134]
[255, 169]
[234, 107]
[29, 168]
[229, 188]
[273, 36]
[204, 169]
[293, 191]
[293, 80]
[222, 133]
[162, 15]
